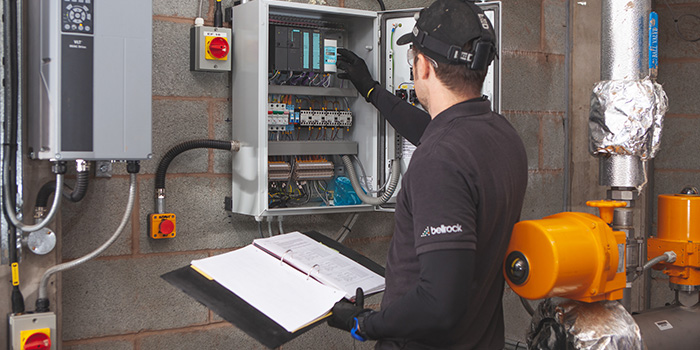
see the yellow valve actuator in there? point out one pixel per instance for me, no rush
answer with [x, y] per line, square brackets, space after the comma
[571, 255]
[678, 230]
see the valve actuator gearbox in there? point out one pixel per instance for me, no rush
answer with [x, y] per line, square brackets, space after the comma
[89, 79]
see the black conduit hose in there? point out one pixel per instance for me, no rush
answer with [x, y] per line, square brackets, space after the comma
[78, 193]
[381, 5]
[186, 146]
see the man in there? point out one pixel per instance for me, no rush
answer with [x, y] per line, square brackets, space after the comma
[460, 197]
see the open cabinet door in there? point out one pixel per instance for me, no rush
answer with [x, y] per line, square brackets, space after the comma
[396, 76]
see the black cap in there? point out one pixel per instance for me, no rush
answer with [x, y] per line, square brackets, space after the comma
[446, 26]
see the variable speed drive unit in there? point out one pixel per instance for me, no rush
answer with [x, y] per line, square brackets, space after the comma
[89, 79]
[299, 124]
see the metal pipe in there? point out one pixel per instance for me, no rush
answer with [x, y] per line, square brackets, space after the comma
[670, 327]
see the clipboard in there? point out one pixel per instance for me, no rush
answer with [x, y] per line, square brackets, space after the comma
[238, 312]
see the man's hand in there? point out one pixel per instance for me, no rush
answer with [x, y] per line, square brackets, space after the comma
[347, 315]
[356, 71]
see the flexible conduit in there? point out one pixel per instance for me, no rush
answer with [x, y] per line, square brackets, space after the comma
[10, 207]
[391, 187]
[42, 299]
[78, 193]
[174, 152]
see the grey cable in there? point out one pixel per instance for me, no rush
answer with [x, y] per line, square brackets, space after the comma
[10, 207]
[279, 221]
[669, 256]
[71, 264]
[393, 182]
[347, 227]
[527, 306]
[269, 226]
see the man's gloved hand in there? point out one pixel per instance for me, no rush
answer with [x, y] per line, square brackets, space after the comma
[347, 315]
[356, 71]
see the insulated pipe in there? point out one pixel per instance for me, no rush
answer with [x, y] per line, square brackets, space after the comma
[391, 187]
[624, 56]
[42, 300]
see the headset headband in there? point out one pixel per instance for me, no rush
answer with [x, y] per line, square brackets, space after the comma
[478, 58]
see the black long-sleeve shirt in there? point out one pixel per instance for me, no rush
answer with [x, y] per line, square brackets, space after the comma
[460, 198]
[408, 120]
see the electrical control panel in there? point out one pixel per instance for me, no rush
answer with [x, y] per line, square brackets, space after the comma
[297, 121]
[89, 79]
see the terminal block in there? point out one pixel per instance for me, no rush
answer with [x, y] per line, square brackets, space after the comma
[313, 169]
[162, 225]
[279, 171]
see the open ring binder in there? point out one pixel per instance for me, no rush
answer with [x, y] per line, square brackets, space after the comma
[240, 312]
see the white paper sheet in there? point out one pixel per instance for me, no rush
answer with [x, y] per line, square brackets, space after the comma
[277, 290]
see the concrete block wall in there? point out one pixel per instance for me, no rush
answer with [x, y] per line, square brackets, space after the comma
[118, 300]
[678, 163]
[535, 92]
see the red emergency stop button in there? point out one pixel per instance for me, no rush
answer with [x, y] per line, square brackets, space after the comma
[38, 341]
[218, 47]
[166, 227]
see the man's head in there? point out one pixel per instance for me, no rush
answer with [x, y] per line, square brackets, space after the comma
[459, 38]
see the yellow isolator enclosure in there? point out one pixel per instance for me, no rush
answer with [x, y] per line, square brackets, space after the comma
[571, 255]
[678, 230]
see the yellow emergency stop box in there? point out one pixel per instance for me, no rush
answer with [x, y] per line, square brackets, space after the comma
[162, 225]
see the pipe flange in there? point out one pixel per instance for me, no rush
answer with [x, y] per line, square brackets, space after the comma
[684, 288]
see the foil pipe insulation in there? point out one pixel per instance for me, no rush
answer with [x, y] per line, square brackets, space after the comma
[567, 324]
[626, 118]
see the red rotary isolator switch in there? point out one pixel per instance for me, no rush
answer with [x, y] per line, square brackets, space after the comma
[218, 47]
[37, 341]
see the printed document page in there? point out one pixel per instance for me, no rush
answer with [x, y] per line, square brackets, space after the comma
[276, 289]
[323, 263]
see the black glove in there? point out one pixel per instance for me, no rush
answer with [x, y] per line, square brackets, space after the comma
[347, 315]
[356, 71]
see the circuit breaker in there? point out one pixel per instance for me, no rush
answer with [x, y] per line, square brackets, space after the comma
[298, 123]
[89, 79]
